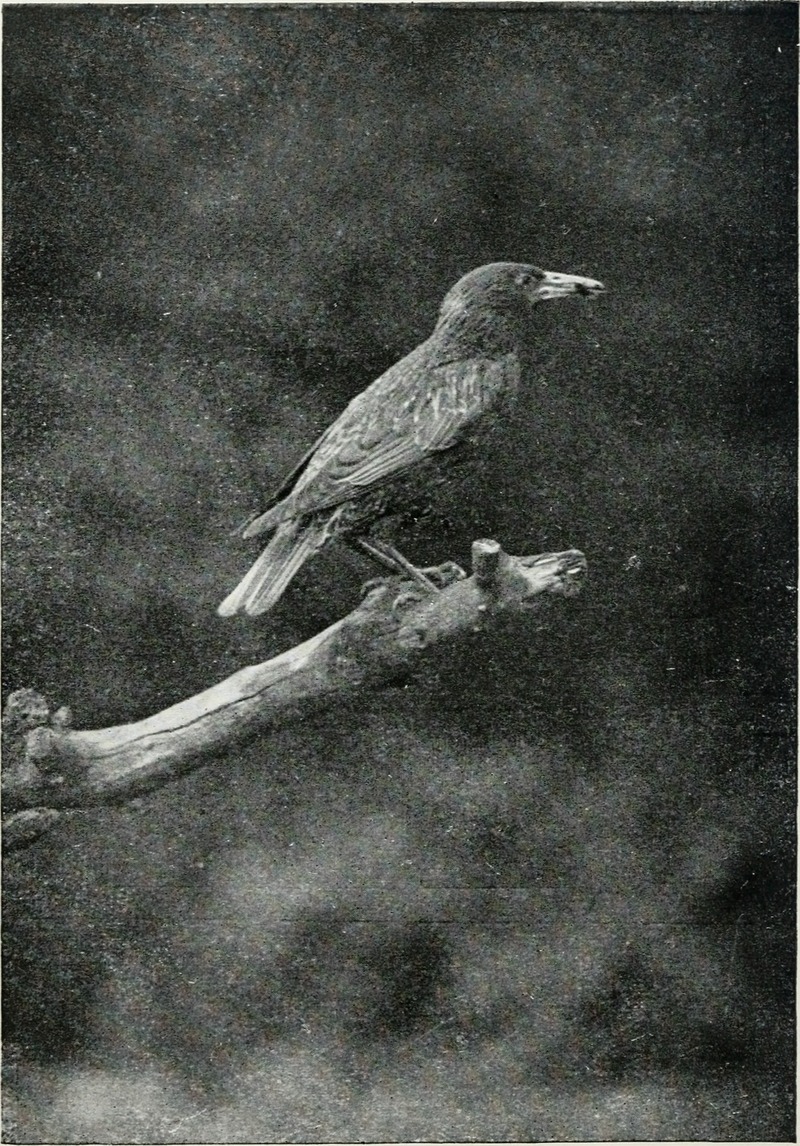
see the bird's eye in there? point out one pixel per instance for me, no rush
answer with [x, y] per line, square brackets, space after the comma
[525, 278]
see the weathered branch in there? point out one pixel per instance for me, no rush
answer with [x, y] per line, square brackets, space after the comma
[49, 766]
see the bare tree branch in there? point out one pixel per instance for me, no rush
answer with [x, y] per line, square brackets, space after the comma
[50, 766]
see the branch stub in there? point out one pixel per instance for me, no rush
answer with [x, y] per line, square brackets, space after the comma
[486, 556]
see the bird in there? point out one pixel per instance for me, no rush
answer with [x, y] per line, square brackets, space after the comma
[396, 440]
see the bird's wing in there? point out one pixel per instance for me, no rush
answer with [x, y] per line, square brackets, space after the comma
[405, 416]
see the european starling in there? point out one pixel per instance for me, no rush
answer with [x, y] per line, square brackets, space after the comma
[396, 438]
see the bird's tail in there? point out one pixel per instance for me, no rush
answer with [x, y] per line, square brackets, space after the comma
[289, 547]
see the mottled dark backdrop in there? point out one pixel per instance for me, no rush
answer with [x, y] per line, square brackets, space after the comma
[220, 225]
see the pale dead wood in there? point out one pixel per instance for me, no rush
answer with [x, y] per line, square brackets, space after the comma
[49, 766]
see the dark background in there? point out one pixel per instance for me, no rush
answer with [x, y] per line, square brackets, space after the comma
[221, 224]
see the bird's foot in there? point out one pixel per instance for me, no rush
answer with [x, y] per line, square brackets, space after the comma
[375, 583]
[394, 559]
[405, 600]
[445, 574]
[439, 576]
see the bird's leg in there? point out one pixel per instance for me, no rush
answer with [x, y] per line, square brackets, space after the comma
[393, 559]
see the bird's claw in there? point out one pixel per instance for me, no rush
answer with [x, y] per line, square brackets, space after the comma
[444, 574]
[404, 600]
[373, 584]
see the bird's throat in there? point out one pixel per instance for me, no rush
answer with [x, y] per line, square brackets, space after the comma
[477, 331]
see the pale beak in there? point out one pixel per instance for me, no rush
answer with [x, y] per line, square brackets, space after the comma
[554, 285]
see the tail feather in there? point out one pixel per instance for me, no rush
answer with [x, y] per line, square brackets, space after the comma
[261, 522]
[289, 547]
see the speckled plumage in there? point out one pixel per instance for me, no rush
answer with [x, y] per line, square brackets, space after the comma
[398, 436]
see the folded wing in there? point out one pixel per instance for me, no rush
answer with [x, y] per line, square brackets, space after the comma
[395, 423]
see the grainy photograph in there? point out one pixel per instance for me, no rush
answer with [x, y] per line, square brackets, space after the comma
[399, 572]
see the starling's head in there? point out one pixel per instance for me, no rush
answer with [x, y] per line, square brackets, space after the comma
[486, 311]
[505, 285]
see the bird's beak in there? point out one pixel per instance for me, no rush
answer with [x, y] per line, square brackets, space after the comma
[554, 285]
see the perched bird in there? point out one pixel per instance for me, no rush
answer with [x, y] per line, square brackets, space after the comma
[395, 440]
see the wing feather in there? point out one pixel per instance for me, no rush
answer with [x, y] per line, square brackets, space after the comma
[391, 457]
[410, 412]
